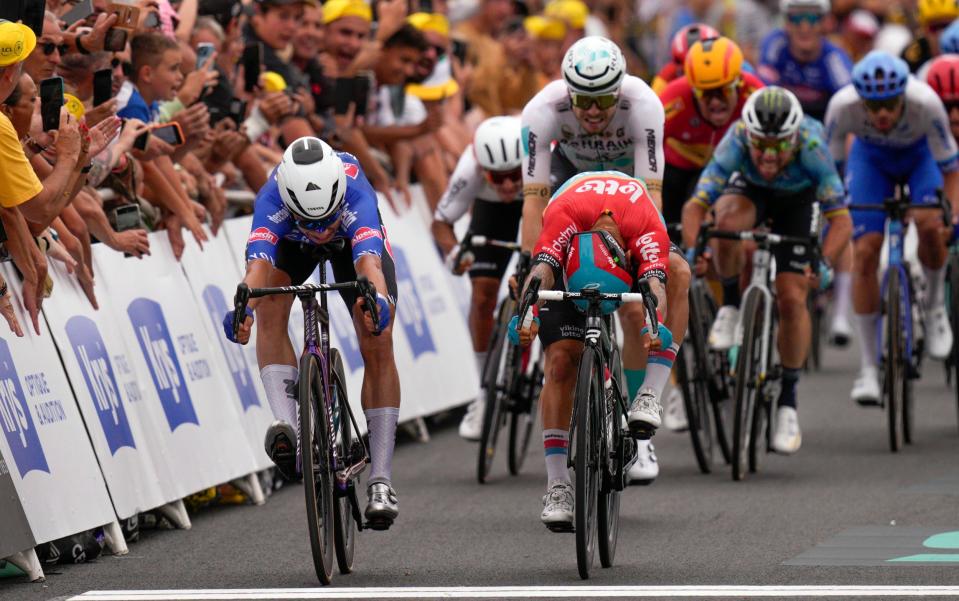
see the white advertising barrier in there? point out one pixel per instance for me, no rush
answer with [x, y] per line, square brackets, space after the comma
[195, 421]
[213, 274]
[44, 443]
[110, 394]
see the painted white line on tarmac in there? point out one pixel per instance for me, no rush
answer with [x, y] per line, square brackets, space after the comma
[520, 592]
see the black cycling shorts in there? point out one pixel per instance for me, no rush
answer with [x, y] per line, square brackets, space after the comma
[496, 221]
[787, 214]
[678, 187]
[299, 259]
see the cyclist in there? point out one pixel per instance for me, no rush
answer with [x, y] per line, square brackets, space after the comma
[948, 44]
[487, 179]
[629, 236]
[943, 77]
[316, 196]
[902, 134]
[934, 17]
[682, 41]
[600, 118]
[773, 166]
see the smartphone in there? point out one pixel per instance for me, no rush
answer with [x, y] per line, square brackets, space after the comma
[81, 11]
[31, 13]
[169, 133]
[459, 50]
[116, 40]
[151, 21]
[128, 16]
[342, 95]
[238, 111]
[204, 51]
[102, 86]
[51, 100]
[361, 93]
[252, 61]
[141, 141]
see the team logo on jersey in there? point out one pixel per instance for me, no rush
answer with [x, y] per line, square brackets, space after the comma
[15, 418]
[351, 170]
[365, 233]
[262, 234]
[648, 248]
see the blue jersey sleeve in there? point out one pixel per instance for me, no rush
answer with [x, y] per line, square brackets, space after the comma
[818, 163]
[361, 224]
[271, 223]
[771, 56]
[838, 67]
[727, 158]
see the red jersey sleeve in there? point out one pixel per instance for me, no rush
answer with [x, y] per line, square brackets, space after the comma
[649, 244]
[559, 226]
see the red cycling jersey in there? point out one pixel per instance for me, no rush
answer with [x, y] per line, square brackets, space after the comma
[689, 138]
[584, 199]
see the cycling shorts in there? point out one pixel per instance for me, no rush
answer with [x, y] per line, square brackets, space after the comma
[872, 173]
[787, 214]
[299, 259]
[496, 221]
[678, 187]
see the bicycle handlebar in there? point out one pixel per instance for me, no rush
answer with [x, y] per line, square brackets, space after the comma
[592, 295]
[475, 241]
[762, 237]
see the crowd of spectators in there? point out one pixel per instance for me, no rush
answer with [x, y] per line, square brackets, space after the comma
[401, 84]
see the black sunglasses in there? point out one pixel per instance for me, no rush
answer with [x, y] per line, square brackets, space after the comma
[440, 51]
[49, 48]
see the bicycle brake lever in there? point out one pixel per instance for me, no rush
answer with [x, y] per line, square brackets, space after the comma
[240, 301]
[368, 292]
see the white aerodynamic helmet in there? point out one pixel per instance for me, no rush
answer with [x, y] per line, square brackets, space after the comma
[498, 144]
[820, 6]
[594, 65]
[311, 179]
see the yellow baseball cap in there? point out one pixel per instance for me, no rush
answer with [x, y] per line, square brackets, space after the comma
[16, 42]
[545, 28]
[438, 86]
[573, 12]
[74, 106]
[430, 22]
[337, 9]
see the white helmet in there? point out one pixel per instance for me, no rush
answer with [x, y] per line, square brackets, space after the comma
[820, 6]
[311, 179]
[594, 65]
[772, 112]
[497, 144]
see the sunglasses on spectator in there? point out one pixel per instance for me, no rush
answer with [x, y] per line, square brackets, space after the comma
[585, 101]
[938, 26]
[889, 104]
[798, 18]
[723, 92]
[50, 47]
[320, 225]
[440, 51]
[778, 145]
[498, 177]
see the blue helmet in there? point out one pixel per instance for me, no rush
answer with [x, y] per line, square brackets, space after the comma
[596, 260]
[949, 39]
[879, 76]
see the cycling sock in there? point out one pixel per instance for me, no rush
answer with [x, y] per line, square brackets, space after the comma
[787, 396]
[480, 363]
[842, 287]
[731, 292]
[634, 381]
[659, 368]
[382, 426]
[866, 327]
[279, 381]
[935, 289]
[556, 445]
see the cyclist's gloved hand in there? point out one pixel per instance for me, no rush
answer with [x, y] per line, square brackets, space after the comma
[228, 323]
[665, 336]
[456, 263]
[513, 329]
[825, 275]
[383, 313]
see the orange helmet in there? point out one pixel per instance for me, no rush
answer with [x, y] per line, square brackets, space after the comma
[713, 63]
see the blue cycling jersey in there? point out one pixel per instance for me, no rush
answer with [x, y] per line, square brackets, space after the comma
[813, 83]
[361, 223]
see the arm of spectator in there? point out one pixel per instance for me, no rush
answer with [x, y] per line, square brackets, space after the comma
[134, 242]
[402, 154]
[102, 134]
[187, 12]
[193, 85]
[99, 113]
[354, 142]
[391, 15]
[58, 185]
[27, 258]
[385, 136]
[253, 169]
[75, 249]
[163, 188]
[55, 250]
[6, 309]
[92, 40]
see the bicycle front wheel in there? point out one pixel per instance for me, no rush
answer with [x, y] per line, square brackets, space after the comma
[524, 412]
[317, 470]
[611, 460]
[344, 532]
[496, 369]
[747, 389]
[692, 370]
[586, 461]
[952, 294]
[894, 380]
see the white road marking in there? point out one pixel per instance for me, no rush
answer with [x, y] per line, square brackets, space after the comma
[521, 592]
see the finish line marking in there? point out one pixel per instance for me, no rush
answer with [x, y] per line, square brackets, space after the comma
[521, 592]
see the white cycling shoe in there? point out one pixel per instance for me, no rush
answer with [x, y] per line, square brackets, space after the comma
[938, 333]
[722, 335]
[471, 428]
[674, 414]
[558, 506]
[646, 468]
[645, 414]
[788, 436]
[840, 331]
[866, 390]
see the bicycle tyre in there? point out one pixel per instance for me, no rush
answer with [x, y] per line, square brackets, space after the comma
[952, 284]
[692, 373]
[747, 390]
[315, 461]
[344, 524]
[492, 412]
[585, 462]
[607, 507]
[894, 368]
[718, 370]
[522, 421]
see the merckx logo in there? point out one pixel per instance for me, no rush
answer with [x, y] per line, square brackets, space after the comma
[651, 150]
[15, 418]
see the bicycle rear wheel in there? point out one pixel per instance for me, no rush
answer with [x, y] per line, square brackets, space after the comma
[344, 531]
[523, 415]
[493, 382]
[893, 381]
[717, 369]
[586, 461]
[747, 389]
[952, 287]
[611, 466]
[692, 370]
[317, 471]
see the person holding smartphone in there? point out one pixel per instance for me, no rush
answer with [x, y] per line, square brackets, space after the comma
[48, 53]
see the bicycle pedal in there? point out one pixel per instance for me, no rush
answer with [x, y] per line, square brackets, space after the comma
[561, 527]
[868, 402]
[379, 524]
[641, 431]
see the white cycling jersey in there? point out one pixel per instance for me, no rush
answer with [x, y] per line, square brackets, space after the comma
[466, 185]
[632, 142]
[924, 116]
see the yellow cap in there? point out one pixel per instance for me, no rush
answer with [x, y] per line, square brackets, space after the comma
[74, 106]
[272, 81]
[573, 12]
[439, 85]
[337, 9]
[937, 10]
[545, 28]
[430, 22]
[16, 42]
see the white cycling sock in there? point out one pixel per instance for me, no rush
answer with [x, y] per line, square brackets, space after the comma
[866, 328]
[280, 384]
[556, 446]
[659, 367]
[382, 426]
[480, 363]
[842, 294]
[935, 288]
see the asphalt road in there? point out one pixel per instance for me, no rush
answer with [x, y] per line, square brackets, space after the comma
[686, 529]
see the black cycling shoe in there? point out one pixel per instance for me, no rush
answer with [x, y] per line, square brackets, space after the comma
[281, 448]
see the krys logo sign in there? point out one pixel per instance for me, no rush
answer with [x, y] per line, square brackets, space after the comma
[216, 306]
[98, 373]
[409, 308]
[158, 351]
[16, 420]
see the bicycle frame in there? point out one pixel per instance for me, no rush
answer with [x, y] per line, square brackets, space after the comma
[760, 280]
[894, 246]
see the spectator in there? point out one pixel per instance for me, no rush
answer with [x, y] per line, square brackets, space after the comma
[485, 54]
[573, 14]
[858, 33]
[548, 36]
[521, 79]
[934, 17]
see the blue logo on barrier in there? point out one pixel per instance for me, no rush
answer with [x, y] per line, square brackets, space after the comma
[410, 311]
[216, 306]
[16, 419]
[341, 320]
[158, 351]
[97, 371]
